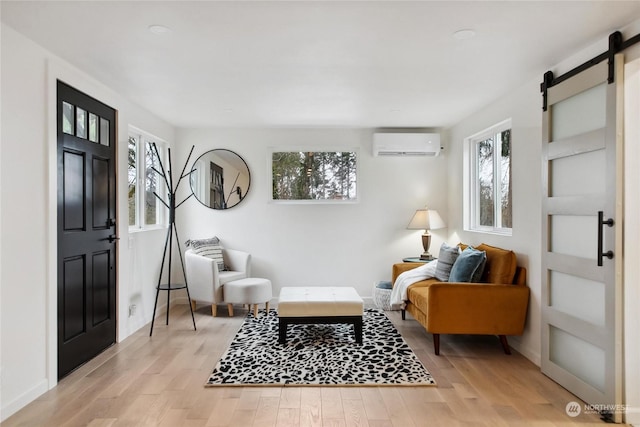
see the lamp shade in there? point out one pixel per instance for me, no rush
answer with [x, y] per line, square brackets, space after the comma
[426, 219]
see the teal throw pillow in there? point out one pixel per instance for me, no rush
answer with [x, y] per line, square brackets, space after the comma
[468, 266]
[446, 259]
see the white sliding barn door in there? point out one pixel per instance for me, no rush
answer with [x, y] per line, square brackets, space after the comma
[582, 236]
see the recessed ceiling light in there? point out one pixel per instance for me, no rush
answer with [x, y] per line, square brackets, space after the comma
[464, 34]
[159, 29]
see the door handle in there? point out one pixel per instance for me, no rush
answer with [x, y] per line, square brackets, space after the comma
[602, 222]
[112, 238]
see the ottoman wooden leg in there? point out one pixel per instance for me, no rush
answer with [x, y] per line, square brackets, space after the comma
[255, 310]
[230, 308]
[267, 307]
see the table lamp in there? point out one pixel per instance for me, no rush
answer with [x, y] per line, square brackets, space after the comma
[426, 219]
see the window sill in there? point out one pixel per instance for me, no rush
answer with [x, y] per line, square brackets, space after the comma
[314, 202]
[498, 232]
[133, 230]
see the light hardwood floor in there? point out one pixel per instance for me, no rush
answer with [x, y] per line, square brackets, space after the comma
[159, 381]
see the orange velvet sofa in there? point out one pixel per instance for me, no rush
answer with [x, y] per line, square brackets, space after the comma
[497, 306]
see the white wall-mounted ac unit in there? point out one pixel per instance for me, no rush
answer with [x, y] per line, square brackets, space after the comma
[406, 144]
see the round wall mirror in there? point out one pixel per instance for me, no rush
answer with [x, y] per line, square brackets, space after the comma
[220, 179]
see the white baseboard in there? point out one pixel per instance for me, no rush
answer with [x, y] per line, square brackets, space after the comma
[24, 399]
[525, 351]
[632, 417]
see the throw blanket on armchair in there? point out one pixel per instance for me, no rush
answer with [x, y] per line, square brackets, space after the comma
[408, 278]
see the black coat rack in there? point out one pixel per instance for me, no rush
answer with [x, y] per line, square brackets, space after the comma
[168, 244]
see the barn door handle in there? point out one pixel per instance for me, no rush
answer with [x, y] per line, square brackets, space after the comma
[602, 222]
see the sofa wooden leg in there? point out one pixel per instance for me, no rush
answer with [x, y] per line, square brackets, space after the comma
[214, 310]
[193, 305]
[404, 315]
[230, 308]
[505, 344]
[436, 344]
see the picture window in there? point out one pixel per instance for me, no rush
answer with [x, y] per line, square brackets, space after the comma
[312, 176]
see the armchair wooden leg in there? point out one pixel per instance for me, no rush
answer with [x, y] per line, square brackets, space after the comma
[505, 344]
[193, 305]
[214, 310]
[436, 344]
[230, 308]
[403, 314]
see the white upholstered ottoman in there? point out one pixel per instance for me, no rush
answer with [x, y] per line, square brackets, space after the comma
[319, 305]
[251, 290]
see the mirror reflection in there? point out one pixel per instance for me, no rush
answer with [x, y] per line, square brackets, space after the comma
[220, 179]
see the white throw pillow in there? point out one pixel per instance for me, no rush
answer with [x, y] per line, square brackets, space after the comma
[209, 248]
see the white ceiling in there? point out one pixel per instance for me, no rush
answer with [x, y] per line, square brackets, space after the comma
[315, 64]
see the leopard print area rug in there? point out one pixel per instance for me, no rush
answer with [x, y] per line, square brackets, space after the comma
[321, 355]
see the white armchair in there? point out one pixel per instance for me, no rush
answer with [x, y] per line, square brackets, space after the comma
[206, 282]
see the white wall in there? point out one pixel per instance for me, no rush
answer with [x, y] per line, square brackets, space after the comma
[28, 310]
[632, 238]
[1, 203]
[24, 223]
[523, 106]
[323, 244]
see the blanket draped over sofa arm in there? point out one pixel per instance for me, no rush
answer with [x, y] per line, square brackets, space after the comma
[471, 308]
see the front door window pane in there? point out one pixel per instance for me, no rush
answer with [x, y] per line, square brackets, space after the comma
[93, 127]
[81, 123]
[68, 118]
[104, 131]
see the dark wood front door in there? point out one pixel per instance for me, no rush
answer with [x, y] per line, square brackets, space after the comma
[86, 227]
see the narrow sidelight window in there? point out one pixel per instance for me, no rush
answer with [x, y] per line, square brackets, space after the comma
[488, 201]
[145, 210]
